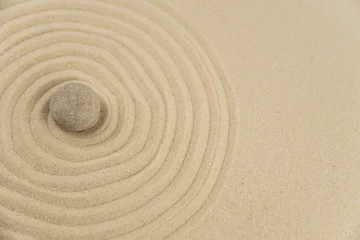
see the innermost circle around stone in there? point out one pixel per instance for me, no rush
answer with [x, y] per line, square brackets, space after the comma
[75, 107]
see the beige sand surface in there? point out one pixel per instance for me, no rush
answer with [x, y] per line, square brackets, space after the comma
[234, 119]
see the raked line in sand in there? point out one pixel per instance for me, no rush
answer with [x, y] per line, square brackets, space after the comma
[154, 163]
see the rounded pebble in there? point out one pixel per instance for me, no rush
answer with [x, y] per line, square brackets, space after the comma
[75, 107]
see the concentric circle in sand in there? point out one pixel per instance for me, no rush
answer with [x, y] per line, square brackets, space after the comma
[152, 164]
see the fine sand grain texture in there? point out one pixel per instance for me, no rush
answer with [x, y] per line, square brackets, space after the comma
[219, 120]
[295, 68]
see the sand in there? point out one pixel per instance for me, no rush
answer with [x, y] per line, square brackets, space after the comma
[233, 119]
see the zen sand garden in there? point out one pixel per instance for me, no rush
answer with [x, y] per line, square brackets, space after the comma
[179, 120]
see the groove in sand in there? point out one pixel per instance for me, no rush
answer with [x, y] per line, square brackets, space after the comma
[155, 161]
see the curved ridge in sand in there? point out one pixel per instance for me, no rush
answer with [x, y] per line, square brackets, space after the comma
[155, 160]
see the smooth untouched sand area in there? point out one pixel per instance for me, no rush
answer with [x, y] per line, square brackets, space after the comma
[234, 119]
